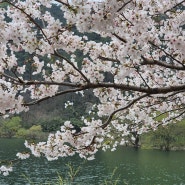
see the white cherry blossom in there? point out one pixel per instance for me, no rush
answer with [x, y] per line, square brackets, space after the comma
[142, 51]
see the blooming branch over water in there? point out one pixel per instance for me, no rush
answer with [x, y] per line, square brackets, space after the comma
[142, 50]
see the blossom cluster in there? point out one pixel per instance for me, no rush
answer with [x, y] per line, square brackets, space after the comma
[141, 51]
[5, 170]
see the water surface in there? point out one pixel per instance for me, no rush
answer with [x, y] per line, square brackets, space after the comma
[141, 167]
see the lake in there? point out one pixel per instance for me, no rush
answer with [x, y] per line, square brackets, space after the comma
[141, 167]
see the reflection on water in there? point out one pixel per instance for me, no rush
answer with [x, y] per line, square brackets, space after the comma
[141, 167]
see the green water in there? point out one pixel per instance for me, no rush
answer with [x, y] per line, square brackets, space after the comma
[142, 167]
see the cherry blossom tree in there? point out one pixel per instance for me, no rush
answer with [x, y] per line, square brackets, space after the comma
[144, 54]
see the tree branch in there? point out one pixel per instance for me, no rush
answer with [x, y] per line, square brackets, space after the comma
[169, 55]
[127, 19]
[120, 38]
[66, 4]
[160, 90]
[62, 57]
[121, 109]
[68, 84]
[32, 20]
[10, 77]
[137, 70]
[125, 4]
[147, 61]
[178, 4]
[168, 112]
[108, 59]
[175, 117]
[49, 97]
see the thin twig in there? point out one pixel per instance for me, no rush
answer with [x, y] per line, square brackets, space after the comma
[147, 61]
[178, 4]
[169, 55]
[49, 97]
[62, 57]
[121, 109]
[123, 6]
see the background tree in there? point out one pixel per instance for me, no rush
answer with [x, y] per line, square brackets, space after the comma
[10, 126]
[144, 56]
[164, 138]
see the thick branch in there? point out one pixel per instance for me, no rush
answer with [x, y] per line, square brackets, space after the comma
[160, 90]
[19, 81]
[125, 87]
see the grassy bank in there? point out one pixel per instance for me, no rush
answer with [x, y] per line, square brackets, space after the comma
[170, 137]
